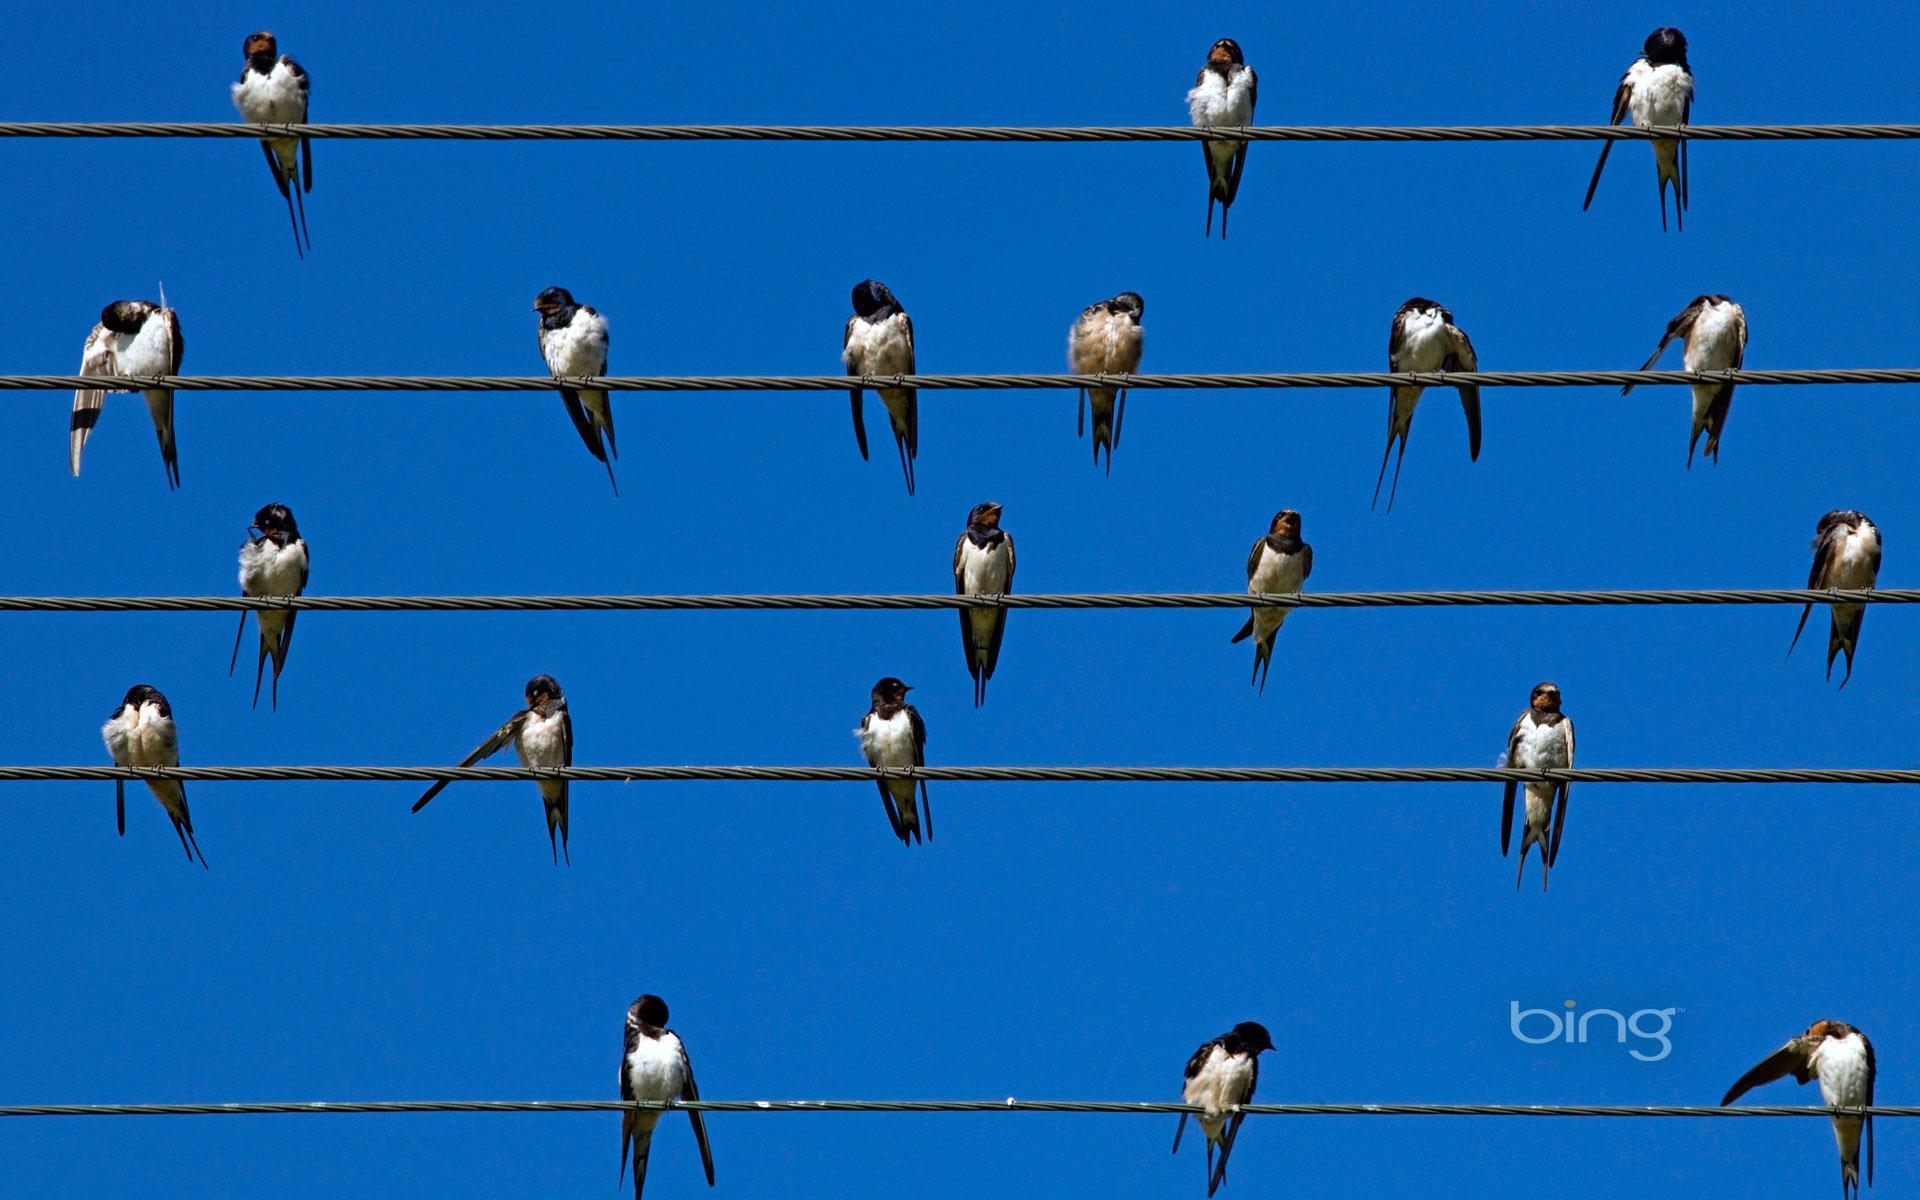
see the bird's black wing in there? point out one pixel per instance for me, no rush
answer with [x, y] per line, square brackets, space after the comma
[690, 1091]
[501, 736]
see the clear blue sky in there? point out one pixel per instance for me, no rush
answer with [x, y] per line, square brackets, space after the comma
[1054, 941]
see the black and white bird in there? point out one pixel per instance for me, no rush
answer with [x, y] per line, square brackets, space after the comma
[1279, 563]
[983, 566]
[1106, 340]
[1656, 90]
[134, 338]
[1841, 1058]
[1223, 94]
[1222, 1075]
[654, 1066]
[1424, 338]
[273, 91]
[893, 735]
[1713, 332]
[573, 341]
[542, 735]
[1846, 554]
[879, 341]
[1541, 740]
[141, 733]
[273, 562]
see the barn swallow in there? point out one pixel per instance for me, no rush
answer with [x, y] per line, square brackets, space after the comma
[983, 566]
[1841, 1058]
[879, 341]
[134, 338]
[1223, 94]
[1846, 554]
[573, 341]
[274, 563]
[654, 1066]
[1106, 340]
[1278, 563]
[1713, 330]
[273, 91]
[893, 735]
[1221, 1075]
[1424, 338]
[141, 733]
[542, 735]
[1658, 90]
[1541, 740]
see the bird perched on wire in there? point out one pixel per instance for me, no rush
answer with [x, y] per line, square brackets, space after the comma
[135, 338]
[1841, 1058]
[879, 341]
[1541, 740]
[273, 562]
[1424, 338]
[1278, 563]
[1222, 1075]
[141, 733]
[893, 735]
[1106, 340]
[273, 90]
[1223, 94]
[1713, 332]
[1846, 554]
[542, 736]
[983, 566]
[573, 341]
[654, 1066]
[1656, 90]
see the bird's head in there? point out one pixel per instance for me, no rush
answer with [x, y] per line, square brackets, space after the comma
[1286, 523]
[890, 691]
[261, 48]
[870, 296]
[541, 689]
[552, 300]
[648, 1010]
[1666, 45]
[1225, 51]
[1129, 302]
[1253, 1035]
[125, 316]
[985, 515]
[275, 518]
[1546, 697]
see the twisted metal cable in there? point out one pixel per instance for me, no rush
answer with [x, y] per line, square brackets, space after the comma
[892, 602]
[1009, 1105]
[760, 774]
[958, 133]
[962, 382]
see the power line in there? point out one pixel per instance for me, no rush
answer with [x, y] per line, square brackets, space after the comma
[964, 382]
[904, 602]
[1009, 1105]
[757, 774]
[959, 133]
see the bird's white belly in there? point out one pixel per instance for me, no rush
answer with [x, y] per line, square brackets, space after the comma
[1854, 558]
[1661, 95]
[1275, 572]
[889, 743]
[655, 1071]
[267, 569]
[274, 98]
[1216, 101]
[149, 742]
[147, 352]
[1223, 1081]
[579, 349]
[879, 348]
[542, 742]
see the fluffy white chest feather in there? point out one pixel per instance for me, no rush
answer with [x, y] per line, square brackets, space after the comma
[141, 738]
[149, 351]
[1105, 343]
[888, 742]
[1854, 558]
[1714, 343]
[983, 569]
[1541, 747]
[1425, 341]
[267, 569]
[542, 741]
[879, 347]
[1277, 572]
[580, 348]
[276, 98]
[1660, 94]
[656, 1070]
[1222, 1081]
[1217, 101]
[1842, 1066]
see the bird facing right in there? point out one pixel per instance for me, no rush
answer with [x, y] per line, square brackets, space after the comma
[1223, 94]
[1841, 1058]
[1106, 340]
[133, 338]
[542, 736]
[1846, 554]
[1713, 330]
[1541, 740]
[1222, 1075]
[654, 1066]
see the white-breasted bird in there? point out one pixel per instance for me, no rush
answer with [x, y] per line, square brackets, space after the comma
[893, 735]
[141, 733]
[1541, 740]
[1841, 1058]
[1713, 331]
[1279, 563]
[542, 736]
[573, 342]
[273, 563]
[654, 1066]
[273, 90]
[134, 338]
[1223, 94]
[1222, 1075]
[1106, 340]
[1657, 90]
[1846, 554]
[983, 565]
[1424, 338]
[879, 341]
